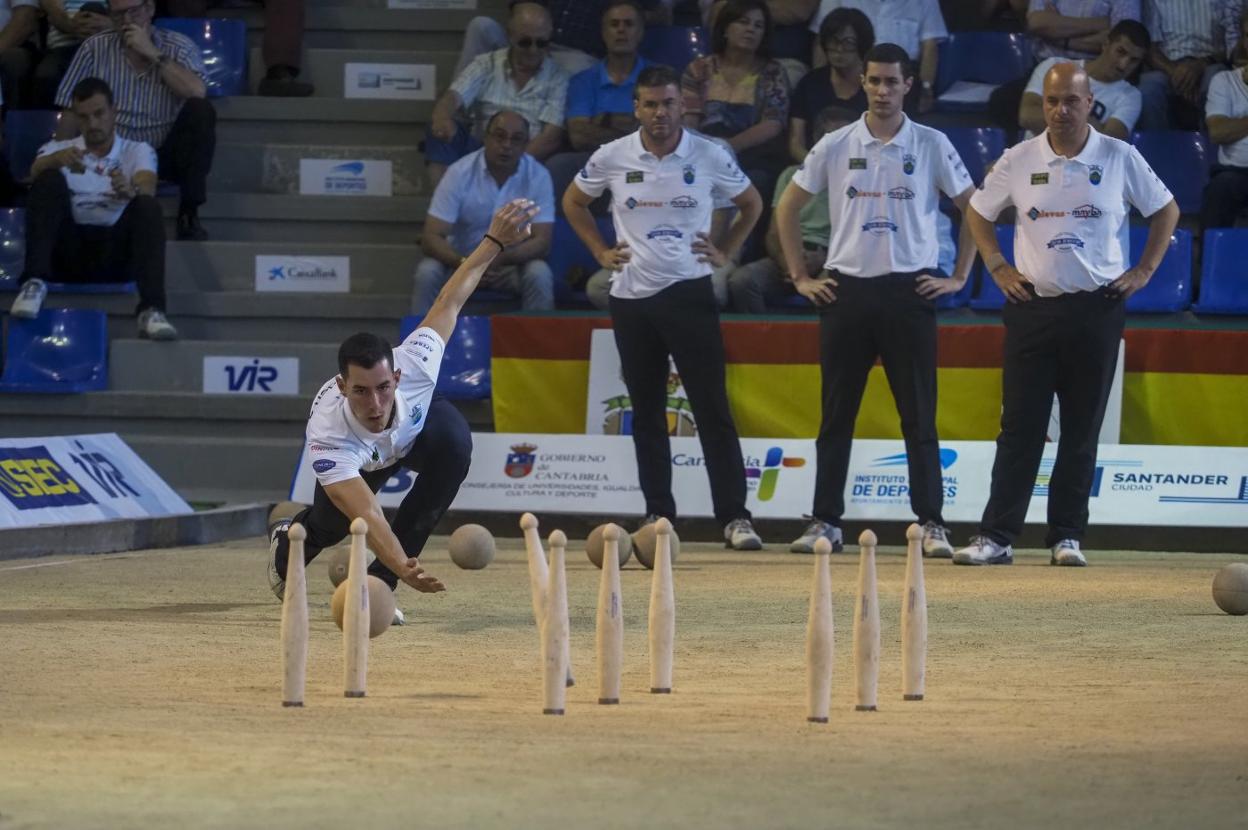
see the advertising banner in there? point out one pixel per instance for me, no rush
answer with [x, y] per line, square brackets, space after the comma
[338, 177]
[328, 274]
[240, 375]
[390, 81]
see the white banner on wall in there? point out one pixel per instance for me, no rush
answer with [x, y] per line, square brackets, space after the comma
[78, 478]
[303, 273]
[346, 177]
[431, 4]
[596, 474]
[242, 375]
[391, 81]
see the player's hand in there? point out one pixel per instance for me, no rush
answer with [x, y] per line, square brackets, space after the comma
[514, 221]
[71, 157]
[707, 252]
[1131, 281]
[442, 127]
[932, 287]
[818, 291]
[1186, 79]
[1012, 284]
[415, 576]
[123, 190]
[613, 259]
[137, 40]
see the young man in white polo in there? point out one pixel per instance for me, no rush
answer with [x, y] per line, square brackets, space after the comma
[883, 175]
[664, 182]
[1072, 189]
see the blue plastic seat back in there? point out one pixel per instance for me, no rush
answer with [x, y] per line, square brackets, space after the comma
[1224, 275]
[983, 57]
[989, 296]
[978, 147]
[1181, 159]
[1170, 288]
[465, 372]
[223, 43]
[675, 46]
[61, 350]
[570, 260]
[12, 247]
[25, 131]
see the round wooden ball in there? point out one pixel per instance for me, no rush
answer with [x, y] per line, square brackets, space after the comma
[644, 541]
[595, 543]
[284, 510]
[472, 547]
[340, 560]
[1230, 589]
[380, 605]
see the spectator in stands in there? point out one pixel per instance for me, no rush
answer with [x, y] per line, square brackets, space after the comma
[915, 25]
[790, 36]
[281, 47]
[1226, 114]
[738, 93]
[470, 193]
[996, 15]
[157, 77]
[1116, 103]
[521, 77]
[1188, 50]
[19, 27]
[92, 213]
[1075, 28]
[1232, 12]
[845, 36]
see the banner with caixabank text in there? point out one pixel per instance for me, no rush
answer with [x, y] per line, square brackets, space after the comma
[597, 474]
[79, 478]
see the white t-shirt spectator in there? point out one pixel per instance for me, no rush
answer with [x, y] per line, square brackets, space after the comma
[1119, 100]
[91, 190]
[1228, 96]
[905, 22]
[340, 447]
[468, 197]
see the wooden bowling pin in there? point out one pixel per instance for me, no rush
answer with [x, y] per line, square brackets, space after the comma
[913, 619]
[539, 576]
[355, 616]
[610, 634]
[662, 611]
[820, 637]
[555, 631]
[295, 621]
[866, 628]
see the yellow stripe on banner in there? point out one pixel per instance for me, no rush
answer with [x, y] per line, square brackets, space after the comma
[539, 395]
[1186, 409]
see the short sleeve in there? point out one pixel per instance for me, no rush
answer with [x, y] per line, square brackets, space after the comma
[82, 66]
[1218, 101]
[812, 173]
[470, 82]
[594, 177]
[543, 193]
[185, 53]
[419, 357]
[144, 157]
[49, 148]
[1035, 83]
[932, 26]
[728, 181]
[1128, 110]
[994, 196]
[580, 101]
[331, 463]
[951, 175]
[555, 105]
[446, 201]
[1142, 187]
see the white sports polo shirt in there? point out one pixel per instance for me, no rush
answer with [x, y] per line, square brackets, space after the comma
[883, 197]
[659, 204]
[340, 447]
[1072, 230]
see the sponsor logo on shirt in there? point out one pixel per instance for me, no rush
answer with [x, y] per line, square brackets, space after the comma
[690, 173]
[321, 448]
[1086, 212]
[684, 202]
[1065, 242]
[417, 413]
[634, 177]
[665, 230]
[880, 225]
[1035, 213]
[855, 193]
[324, 465]
[857, 164]
[734, 171]
[903, 193]
[632, 203]
[1095, 172]
[1039, 178]
[907, 163]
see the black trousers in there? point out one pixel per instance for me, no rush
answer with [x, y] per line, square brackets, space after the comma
[186, 155]
[681, 321]
[1225, 196]
[59, 249]
[441, 455]
[1068, 346]
[878, 317]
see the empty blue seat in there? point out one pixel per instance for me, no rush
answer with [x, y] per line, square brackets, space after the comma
[982, 60]
[1181, 159]
[978, 147]
[465, 372]
[675, 46]
[61, 350]
[223, 43]
[25, 131]
[1170, 288]
[989, 296]
[570, 261]
[1223, 276]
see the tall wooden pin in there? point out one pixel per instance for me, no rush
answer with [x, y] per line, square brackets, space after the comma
[355, 617]
[295, 621]
[866, 628]
[914, 619]
[610, 634]
[539, 577]
[555, 631]
[662, 611]
[820, 637]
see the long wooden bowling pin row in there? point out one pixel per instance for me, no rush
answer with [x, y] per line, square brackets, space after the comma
[295, 619]
[820, 634]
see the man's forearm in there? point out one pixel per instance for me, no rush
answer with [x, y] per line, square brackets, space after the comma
[740, 229]
[1160, 227]
[531, 248]
[183, 82]
[545, 143]
[585, 134]
[439, 247]
[20, 27]
[929, 55]
[1226, 130]
[1052, 25]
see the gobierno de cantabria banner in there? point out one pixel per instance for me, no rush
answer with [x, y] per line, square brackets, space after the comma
[78, 478]
[597, 474]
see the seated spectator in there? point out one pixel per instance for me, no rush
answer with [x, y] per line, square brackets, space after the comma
[281, 46]
[70, 22]
[1075, 28]
[1115, 102]
[790, 36]
[1188, 50]
[845, 37]
[92, 214]
[521, 77]
[738, 93]
[1226, 114]
[19, 30]
[157, 77]
[470, 193]
[915, 25]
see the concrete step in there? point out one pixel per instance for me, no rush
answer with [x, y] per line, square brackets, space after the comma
[143, 366]
[274, 168]
[231, 266]
[262, 217]
[234, 468]
[363, 27]
[254, 120]
[324, 68]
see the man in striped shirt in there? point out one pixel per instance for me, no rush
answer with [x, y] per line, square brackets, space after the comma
[1189, 48]
[157, 77]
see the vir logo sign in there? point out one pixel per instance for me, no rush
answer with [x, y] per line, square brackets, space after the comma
[251, 375]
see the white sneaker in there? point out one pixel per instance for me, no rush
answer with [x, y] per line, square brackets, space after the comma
[1066, 552]
[815, 531]
[154, 326]
[936, 542]
[29, 299]
[399, 619]
[277, 581]
[739, 535]
[984, 551]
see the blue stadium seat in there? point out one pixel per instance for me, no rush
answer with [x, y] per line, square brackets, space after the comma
[223, 42]
[12, 247]
[959, 298]
[465, 373]
[1181, 159]
[1223, 278]
[978, 147]
[568, 256]
[989, 297]
[25, 131]
[1170, 288]
[675, 46]
[61, 350]
[989, 58]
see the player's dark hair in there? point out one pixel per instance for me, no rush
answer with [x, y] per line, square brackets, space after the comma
[656, 74]
[838, 19]
[730, 13]
[364, 350]
[89, 87]
[1132, 30]
[890, 53]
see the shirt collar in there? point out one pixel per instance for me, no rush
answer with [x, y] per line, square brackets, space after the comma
[1088, 155]
[604, 80]
[904, 137]
[683, 148]
[367, 437]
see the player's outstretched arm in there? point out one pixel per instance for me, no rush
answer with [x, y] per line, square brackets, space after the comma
[513, 223]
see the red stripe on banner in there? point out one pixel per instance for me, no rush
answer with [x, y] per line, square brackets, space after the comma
[1187, 351]
[543, 338]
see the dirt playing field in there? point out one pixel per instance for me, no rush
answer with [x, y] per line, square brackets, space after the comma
[142, 690]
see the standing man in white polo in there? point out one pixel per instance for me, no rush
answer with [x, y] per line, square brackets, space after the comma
[664, 182]
[1072, 188]
[883, 175]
